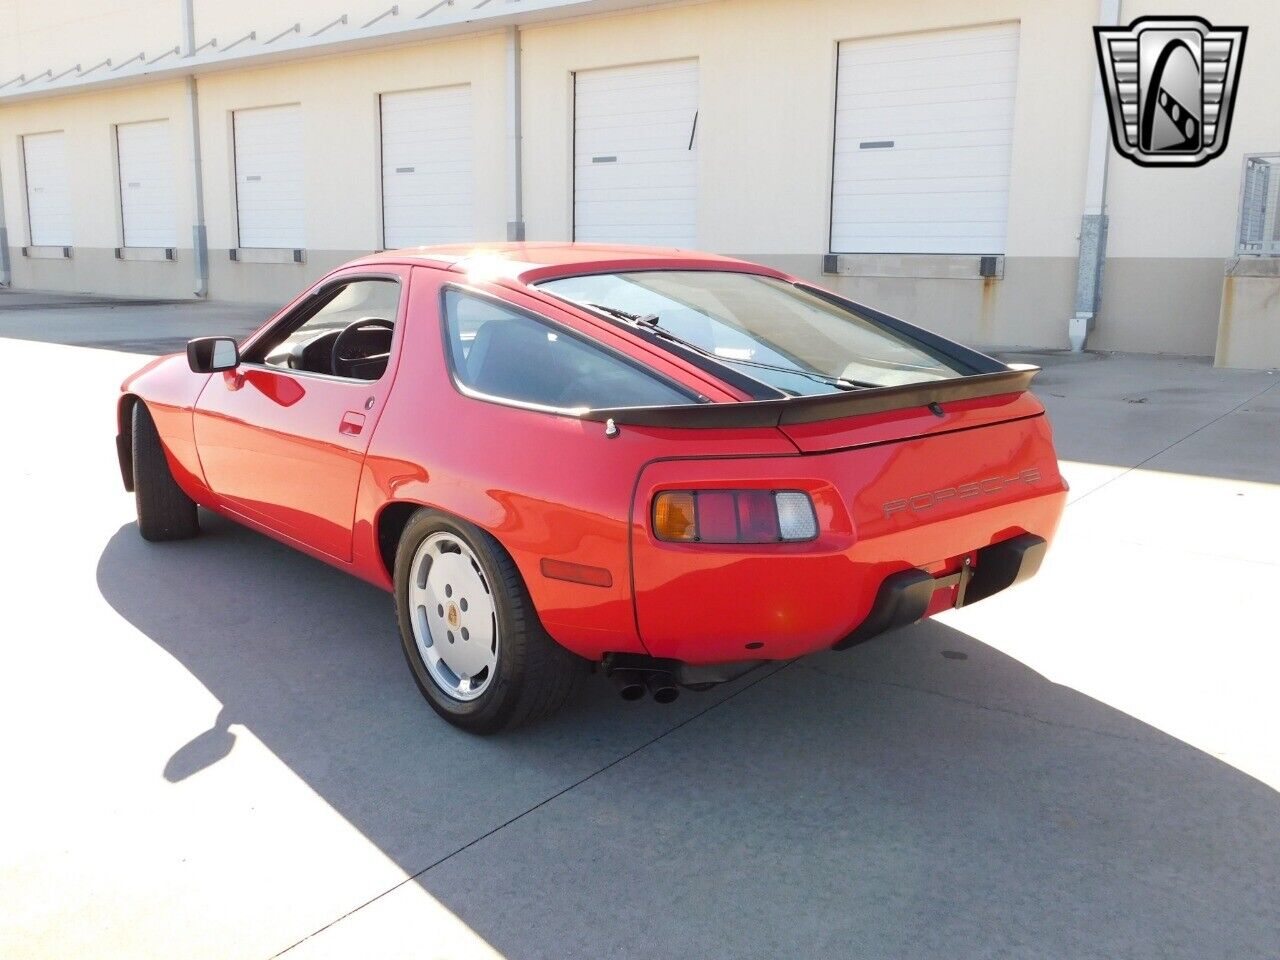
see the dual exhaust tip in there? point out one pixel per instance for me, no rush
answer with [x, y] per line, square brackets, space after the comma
[632, 684]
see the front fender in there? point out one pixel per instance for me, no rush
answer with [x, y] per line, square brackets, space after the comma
[170, 389]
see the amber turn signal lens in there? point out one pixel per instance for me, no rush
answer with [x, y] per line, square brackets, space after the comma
[734, 516]
[674, 517]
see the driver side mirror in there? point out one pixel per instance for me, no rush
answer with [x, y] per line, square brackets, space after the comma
[211, 354]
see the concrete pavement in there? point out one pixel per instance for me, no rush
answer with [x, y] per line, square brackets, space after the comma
[137, 326]
[214, 749]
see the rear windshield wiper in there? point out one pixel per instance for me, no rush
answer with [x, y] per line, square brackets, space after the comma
[651, 322]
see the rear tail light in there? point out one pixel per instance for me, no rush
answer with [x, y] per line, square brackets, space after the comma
[795, 515]
[734, 516]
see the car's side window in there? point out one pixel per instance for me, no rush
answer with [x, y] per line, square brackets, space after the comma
[346, 333]
[506, 354]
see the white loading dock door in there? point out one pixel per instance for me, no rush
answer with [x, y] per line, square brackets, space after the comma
[44, 158]
[270, 209]
[145, 153]
[428, 170]
[924, 134]
[635, 163]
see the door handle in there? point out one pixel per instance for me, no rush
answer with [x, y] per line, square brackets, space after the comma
[352, 423]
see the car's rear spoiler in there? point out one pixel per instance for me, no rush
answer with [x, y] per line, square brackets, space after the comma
[777, 413]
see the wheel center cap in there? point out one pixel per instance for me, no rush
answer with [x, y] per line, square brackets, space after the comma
[451, 614]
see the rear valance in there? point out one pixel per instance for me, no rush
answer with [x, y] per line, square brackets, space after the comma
[793, 410]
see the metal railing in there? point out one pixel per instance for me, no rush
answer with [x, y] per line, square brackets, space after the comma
[1258, 230]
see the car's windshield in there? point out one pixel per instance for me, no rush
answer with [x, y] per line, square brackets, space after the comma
[757, 324]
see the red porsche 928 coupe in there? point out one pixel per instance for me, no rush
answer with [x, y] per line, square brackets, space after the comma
[669, 465]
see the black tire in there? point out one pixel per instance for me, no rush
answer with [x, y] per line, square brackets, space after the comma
[164, 511]
[534, 677]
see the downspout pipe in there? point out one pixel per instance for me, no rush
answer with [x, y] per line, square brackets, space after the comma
[1093, 221]
[199, 237]
[515, 172]
[6, 273]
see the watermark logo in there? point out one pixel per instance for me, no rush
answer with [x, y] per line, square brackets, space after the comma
[1171, 86]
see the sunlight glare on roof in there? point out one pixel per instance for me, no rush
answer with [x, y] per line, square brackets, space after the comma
[483, 266]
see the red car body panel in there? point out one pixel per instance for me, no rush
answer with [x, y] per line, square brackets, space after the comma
[797, 598]
[286, 449]
[316, 462]
[170, 390]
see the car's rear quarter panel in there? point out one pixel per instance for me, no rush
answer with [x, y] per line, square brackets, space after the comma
[545, 486]
[705, 603]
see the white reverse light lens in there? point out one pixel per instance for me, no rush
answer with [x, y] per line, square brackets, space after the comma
[796, 520]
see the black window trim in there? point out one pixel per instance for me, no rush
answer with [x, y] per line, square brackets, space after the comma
[938, 347]
[966, 361]
[753, 388]
[577, 413]
[314, 302]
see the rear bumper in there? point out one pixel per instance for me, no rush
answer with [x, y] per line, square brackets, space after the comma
[703, 603]
[905, 597]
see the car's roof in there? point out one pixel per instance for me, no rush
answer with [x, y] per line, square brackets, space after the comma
[529, 262]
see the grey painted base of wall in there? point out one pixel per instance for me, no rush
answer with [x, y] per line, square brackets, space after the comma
[1148, 305]
[1152, 305]
[96, 270]
[1028, 308]
[243, 280]
[1249, 326]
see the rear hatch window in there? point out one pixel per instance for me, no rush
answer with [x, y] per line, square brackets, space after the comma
[768, 329]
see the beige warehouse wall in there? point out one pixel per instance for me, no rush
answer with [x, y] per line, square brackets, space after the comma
[767, 89]
[39, 35]
[1172, 230]
[341, 133]
[341, 150]
[767, 76]
[767, 86]
[88, 123]
[341, 138]
[1191, 213]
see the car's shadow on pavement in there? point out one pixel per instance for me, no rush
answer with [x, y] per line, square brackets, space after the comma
[922, 795]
